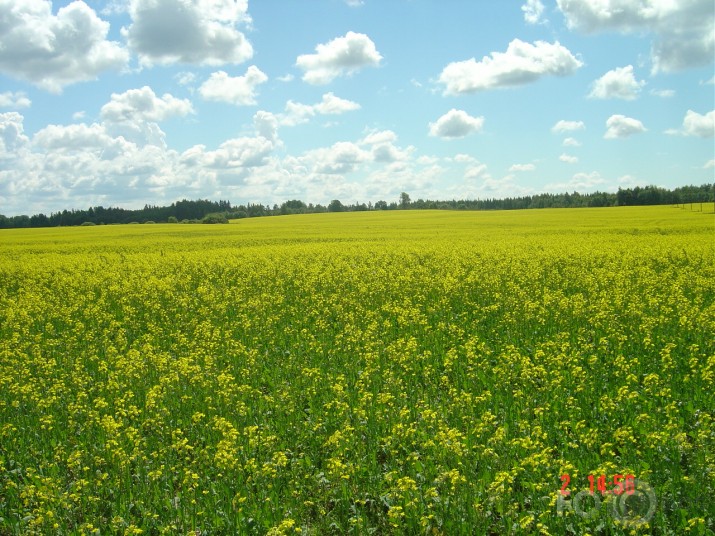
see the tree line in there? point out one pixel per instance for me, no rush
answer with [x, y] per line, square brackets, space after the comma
[205, 211]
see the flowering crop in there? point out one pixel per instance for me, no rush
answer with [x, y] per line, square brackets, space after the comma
[401, 372]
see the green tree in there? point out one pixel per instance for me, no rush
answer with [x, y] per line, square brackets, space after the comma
[335, 206]
[404, 200]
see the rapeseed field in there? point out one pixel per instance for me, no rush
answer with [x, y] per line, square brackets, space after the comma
[524, 372]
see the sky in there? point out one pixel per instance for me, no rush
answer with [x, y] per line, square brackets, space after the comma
[131, 102]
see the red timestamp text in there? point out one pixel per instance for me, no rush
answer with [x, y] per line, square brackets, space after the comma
[621, 484]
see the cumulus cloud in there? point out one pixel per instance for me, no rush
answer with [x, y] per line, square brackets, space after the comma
[79, 136]
[522, 167]
[683, 31]
[86, 164]
[383, 148]
[53, 51]
[341, 56]
[185, 78]
[144, 105]
[201, 32]
[580, 182]
[455, 124]
[709, 164]
[620, 126]
[567, 126]
[297, 113]
[533, 11]
[475, 171]
[238, 90]
[619, 83]
[571, 142]
[569, 159]
[9, 99]
[341, 158]
[266, 125]
[501, 187]
[520, 64]
[245, 152]
[12, 135]
[696, 124]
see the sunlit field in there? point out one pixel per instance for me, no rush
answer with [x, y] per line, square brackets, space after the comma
[397, 372]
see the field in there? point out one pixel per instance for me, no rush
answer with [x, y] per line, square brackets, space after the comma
[386, 372]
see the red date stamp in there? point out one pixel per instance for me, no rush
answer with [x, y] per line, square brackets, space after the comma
[629, 500]
[621, 484]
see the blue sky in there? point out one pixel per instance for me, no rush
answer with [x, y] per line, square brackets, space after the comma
[128, 102]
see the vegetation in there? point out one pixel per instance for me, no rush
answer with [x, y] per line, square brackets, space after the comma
[195, 211]
[405, 372]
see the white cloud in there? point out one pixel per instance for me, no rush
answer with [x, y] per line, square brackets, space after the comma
[76, 137]
[629, 181]
[520, 64]
[53, 51]
[389, 153]
[200, 32]
[456, 124]
[341, 56]
[567, 126]
[499, 188]
[332, 105]
[266, 125]
[464, 158]
[355, 3]
[619, 83]
[16, 100]
[425, 160]
[476, 171]
[246, 152]
[185, 78]
[341, 158]
[522, 167]
[12, 135]
[571, 142]
[709, 164]
[663, 93]
[383, 148]
[683, 30]
[297, 113]
[580, 182]
[80, 165]
[238, 90]
[379, 137]
[533, 11]
[695, 124]
[143, 105]
[569, 159]
[620, 126]
[83, 164]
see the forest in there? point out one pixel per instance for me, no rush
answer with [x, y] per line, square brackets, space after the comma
[205, 211]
